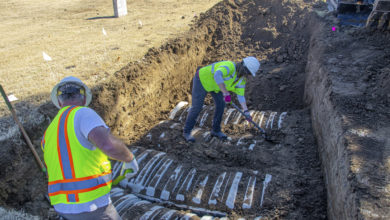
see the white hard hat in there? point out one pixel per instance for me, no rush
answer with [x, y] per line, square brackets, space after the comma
[252, 64]
[70, 79]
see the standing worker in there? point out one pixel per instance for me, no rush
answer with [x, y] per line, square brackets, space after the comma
[76, 148]
[219, 79]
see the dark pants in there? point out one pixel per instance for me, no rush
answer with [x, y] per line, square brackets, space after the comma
[104, 213]
[198, 96]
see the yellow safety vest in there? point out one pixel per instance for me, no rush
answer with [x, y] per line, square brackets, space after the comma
[76, 174]
[229, 75]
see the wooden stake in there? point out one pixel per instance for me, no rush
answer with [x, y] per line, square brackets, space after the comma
[43, 168]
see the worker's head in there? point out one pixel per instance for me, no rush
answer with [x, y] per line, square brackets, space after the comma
[71, 91]
[249, 66]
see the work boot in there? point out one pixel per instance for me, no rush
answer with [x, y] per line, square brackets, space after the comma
[189, 137]
[219, 135]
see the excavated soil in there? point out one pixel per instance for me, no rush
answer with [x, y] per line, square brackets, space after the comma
[281, 34]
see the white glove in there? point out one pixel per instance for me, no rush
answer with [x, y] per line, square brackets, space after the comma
[132, 167]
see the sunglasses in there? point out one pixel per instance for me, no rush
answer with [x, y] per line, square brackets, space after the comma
[70, 88]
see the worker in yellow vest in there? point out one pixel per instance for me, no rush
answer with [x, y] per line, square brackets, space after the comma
[76, 148]
[219, 79]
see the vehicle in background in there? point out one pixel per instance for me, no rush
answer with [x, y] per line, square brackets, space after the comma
[360, 13]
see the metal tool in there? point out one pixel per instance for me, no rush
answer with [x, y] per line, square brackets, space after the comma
[263, 134]
[43, 168]
[256, 125]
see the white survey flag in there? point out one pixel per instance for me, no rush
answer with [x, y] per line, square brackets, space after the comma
[139, 23]
[104, 32]
[46, 57]
[12, 98]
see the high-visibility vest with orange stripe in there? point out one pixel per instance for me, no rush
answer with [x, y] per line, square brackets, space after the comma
[76, 174]
[229, 76]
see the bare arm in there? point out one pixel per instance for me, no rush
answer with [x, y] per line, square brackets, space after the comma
[223, 88]
[242, 101]
[243, 106]
[109, 144]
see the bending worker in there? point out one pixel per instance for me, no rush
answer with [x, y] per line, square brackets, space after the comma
[76, 148]
[219, 79]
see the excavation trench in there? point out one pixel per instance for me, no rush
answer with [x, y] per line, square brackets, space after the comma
[146, 103]
[245, 176]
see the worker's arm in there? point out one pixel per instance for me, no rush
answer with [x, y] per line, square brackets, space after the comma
[242, 101]
[109, 144]
[219, 80]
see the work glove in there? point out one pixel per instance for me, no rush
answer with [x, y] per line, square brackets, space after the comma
[129, 169]
[248, 116]
[227, 97]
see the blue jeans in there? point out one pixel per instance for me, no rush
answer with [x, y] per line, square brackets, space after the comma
[198, 95]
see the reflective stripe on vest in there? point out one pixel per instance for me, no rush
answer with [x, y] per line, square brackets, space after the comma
[64, 186]
[229, 75]
[239, 85]
[64, 153]
[78, 185]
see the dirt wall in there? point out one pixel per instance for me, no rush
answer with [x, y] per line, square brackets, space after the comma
[328, 130]
[352, 134]
[22, 184]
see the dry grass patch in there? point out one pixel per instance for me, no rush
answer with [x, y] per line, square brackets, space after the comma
[71, 33]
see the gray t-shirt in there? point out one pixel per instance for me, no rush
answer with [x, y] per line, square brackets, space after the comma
[87, 119]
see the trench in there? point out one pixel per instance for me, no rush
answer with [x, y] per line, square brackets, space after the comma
[245, 177]
[146, 102]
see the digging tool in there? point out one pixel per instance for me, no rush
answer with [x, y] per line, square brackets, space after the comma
[256, 125]
[43, 168]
